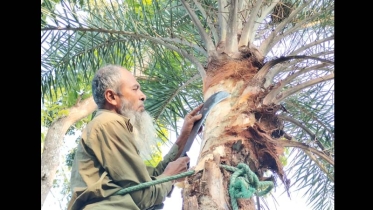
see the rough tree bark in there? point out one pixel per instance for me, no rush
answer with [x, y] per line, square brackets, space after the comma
[238, 129]
[50, 159]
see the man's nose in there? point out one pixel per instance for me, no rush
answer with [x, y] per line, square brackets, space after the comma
[143, 96]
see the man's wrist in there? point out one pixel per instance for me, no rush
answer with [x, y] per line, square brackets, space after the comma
[181, 140]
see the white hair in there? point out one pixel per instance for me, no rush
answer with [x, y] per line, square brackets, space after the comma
[143, 128]
[107, 77]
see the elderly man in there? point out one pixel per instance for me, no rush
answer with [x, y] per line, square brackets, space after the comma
[113, 146]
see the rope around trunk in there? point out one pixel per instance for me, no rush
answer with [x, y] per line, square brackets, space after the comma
[243, 183]
[240, 181]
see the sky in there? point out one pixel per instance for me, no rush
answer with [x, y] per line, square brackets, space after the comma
[55, 201]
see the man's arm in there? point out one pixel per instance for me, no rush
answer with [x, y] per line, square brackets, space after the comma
[169, 157]
[177, 148]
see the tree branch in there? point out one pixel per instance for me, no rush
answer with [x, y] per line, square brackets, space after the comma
[249, 25]
[264, 47]
[184, 42]
[311, 115]
[307, 46]
[231, 41]
[267, 66]
[291, 30]
[264, 70]
[308, 131]
[54, 141]
[222, 16]
[320, 165]
[211, 51]
[135, 35]
[297, 88]
[265, 12]
[299, 124]
[273, 93]
[211, 26]
[274, 71]
[304, 147]
[241, 4]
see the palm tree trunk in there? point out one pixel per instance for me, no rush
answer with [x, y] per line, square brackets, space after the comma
[50, 159]
[236, 130]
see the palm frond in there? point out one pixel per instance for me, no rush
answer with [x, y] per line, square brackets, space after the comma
[314, 108]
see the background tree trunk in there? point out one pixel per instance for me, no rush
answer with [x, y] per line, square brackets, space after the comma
[50, 159]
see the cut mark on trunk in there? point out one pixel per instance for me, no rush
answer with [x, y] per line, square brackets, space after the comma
[219, 150]
[213, 178]
[191, 203]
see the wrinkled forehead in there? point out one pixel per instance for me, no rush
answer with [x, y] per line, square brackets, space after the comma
[128, 79]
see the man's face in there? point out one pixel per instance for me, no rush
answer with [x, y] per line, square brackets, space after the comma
[132, 106]
[131, 91]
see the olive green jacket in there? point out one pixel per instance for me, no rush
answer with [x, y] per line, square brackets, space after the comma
[106, 161]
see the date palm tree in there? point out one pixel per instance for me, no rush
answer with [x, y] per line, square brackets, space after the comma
[274, 57]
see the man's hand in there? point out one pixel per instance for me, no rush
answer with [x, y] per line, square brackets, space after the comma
[176, 167]
[189, 121]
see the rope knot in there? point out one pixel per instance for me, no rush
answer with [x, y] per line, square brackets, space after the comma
[240, 182]
[244, 183]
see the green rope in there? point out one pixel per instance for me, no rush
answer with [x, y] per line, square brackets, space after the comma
[243, 183]
[240, 181]
[154, 182]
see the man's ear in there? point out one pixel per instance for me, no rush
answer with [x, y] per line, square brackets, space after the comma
[111, 97]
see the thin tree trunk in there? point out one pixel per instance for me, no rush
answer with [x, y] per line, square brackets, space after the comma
[50, 159]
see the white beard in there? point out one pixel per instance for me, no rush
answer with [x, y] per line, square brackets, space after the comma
[143, 129]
